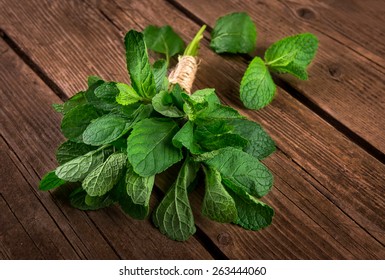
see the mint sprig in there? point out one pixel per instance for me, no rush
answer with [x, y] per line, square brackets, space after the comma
[291, 55]
[120, 136]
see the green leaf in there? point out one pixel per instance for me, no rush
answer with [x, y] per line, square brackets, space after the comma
[150, 150]
[138, 65]
[127, 95]
[242, 170]
[80, 200]
[234, 33]
[136, 211]
[105, 130]
[292, 54]
[58, 108]
[252, 213]
[260, 144]
[217, 204]
[257, 87]
[139, 191]
[139, 188]
[160, 74]
[94, 81]
[76, 100]
[78, 168]
[174, 216]
[163, 103]
[50, 181]
[214, 135]
[70, 150]
[91, 97]
[106, 93]
[102, 179]
[76, 121]
[185, 138]
[208, 94]
[163, 40]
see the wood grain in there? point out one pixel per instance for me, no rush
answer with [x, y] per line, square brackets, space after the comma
[327, 192]
[347, 22]
[30, 128]
[344, 84]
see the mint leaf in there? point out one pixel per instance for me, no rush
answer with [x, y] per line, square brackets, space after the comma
[163, 40]
[105, 130]
[102, 179]
[50, 181]
[76, 121]
[136, 211]
[234, 33]
[70, 150]
[257, 87]
[138, 65]
[292, 54]
[242, 170]
[214, 135]
[160, 72]
[260, 144]
[150, 150]
[217, 204]
[58, 108]
[126, 95]
[76, 100]
[78, 168]
[185, 138]
[208, 94]
[163, 104]
[174, 216]
[80, 200]
[94, 81]
[252, 213]
[139, 190]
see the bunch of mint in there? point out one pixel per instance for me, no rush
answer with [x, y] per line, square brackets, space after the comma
[121, 136]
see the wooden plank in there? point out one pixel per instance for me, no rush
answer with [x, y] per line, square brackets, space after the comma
[27, 230]
[342, 83]
[353, 23]
[48, 218]
[299, 129]
[15, 243]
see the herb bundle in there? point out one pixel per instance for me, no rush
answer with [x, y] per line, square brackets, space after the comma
[120, 136]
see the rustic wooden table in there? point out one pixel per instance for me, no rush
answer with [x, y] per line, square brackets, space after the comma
[329, 191]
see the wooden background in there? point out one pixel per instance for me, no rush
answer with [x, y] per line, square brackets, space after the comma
[329, 166]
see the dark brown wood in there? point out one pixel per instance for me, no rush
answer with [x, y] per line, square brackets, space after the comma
[328, 190]
[356, 24]
[30, 129]
[343, 83]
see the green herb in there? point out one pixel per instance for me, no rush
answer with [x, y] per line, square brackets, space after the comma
[234, 33]
[119, 136]
[292, 54]
[163, 40]
[174, 216]
[257, 87]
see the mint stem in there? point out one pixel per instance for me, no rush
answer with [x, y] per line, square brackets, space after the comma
[192, 48]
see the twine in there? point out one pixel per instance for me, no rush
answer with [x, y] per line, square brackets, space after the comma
[184, 72]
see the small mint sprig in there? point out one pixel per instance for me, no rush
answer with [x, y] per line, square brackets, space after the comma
[289, 55]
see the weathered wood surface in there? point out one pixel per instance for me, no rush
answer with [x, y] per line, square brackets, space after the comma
[329, 190]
